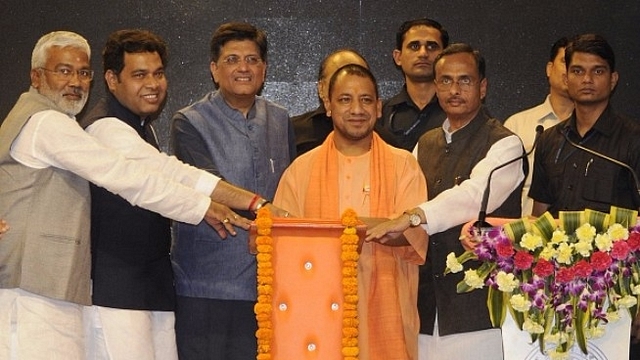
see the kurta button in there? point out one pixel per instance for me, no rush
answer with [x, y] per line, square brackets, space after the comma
[311, 347]
[575, 166]
[282, 307]
[308, 265]
[570, 187]
[335, 307]
[438, 181]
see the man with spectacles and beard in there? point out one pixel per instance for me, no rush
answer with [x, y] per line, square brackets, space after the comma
[46, 161]
[249, 141]
[415, 109]
[457, 159]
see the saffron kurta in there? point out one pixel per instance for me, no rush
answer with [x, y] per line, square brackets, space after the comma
[381, 183]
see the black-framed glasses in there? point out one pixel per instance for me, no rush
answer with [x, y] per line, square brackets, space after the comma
[233, 60]
[464, 83]
[67, 74]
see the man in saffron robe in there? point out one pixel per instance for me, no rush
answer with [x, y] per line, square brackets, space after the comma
[354, 168]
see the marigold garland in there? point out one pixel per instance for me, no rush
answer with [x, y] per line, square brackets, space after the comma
[349, 240]
[263, 308]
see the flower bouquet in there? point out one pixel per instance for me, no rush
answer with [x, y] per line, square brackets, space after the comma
[562, 281]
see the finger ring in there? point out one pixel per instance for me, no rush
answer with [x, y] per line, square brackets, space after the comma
[225, 221]
[286, 214]
[235, 216]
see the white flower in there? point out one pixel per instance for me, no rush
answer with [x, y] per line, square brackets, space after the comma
[453, 264]
[472, 279]
[583, 248]
[586, 232]
[618, 232]
[559, 237]
[603, 242]
[565, 251]
[506, 282]
[532, 327]
[520, 303]
[530, 241]
[635, 290]
[627, 301]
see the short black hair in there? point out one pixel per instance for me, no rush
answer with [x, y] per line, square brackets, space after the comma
[237, 31]
[458, 48]
[131, 41]
[407, 25]
[555, 48]
[592, 44]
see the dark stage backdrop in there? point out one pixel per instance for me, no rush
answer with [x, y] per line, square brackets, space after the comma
[514, 36]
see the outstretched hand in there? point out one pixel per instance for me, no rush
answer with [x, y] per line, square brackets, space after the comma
[388, 229]
[223, 220]
[4, 227]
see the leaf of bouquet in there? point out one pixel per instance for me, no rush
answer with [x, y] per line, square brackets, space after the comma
[544, 226]
[598, 219]
[497, 305]
[581, 320]
[515, 230]
[624, 217]
[517, 316]
[571, 220]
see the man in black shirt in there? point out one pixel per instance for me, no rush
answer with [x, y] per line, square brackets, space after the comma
[415, 109]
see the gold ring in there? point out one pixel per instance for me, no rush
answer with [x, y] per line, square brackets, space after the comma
[225, 221]
[235, 216]
[286, 214]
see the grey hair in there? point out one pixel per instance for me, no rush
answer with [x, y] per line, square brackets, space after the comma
[60, 39]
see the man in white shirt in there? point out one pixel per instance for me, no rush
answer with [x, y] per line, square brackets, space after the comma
[457, 159]
[45, 162]
[556, 107]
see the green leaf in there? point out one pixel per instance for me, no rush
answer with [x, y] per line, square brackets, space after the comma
[517, 316]
[580, 324]
[515, 230]
[497, 305]
[571, 220]
[598, 219]
[624, 217]
[544, 226]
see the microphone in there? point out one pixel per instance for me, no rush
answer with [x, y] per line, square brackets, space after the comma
[565, 133]
[482, 215]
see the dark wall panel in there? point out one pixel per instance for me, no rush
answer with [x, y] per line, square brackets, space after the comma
[514, 36]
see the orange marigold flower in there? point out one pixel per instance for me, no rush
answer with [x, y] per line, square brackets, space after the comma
[350, 351]
[263, 257]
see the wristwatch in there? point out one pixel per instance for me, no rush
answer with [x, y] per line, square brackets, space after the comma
[414, 219]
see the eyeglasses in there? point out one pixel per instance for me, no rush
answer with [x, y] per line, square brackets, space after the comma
[67, 74]
[464, 83]
[233, 60]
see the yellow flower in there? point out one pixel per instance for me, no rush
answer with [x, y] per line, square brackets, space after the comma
[627, 301]
[636, 290]
[556, 354]
[548, 252]
[506, 282]
[559, 237]
[520, 303]
[618, 232]
[565, 251]
[583, 248]
[594, 332]
[586, 232]
[453, 264]
[532, 327]
[531, 241]
[613, 316]
[603, 242]
[472, 279]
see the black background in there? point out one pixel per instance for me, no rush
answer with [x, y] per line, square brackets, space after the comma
[514, 36]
